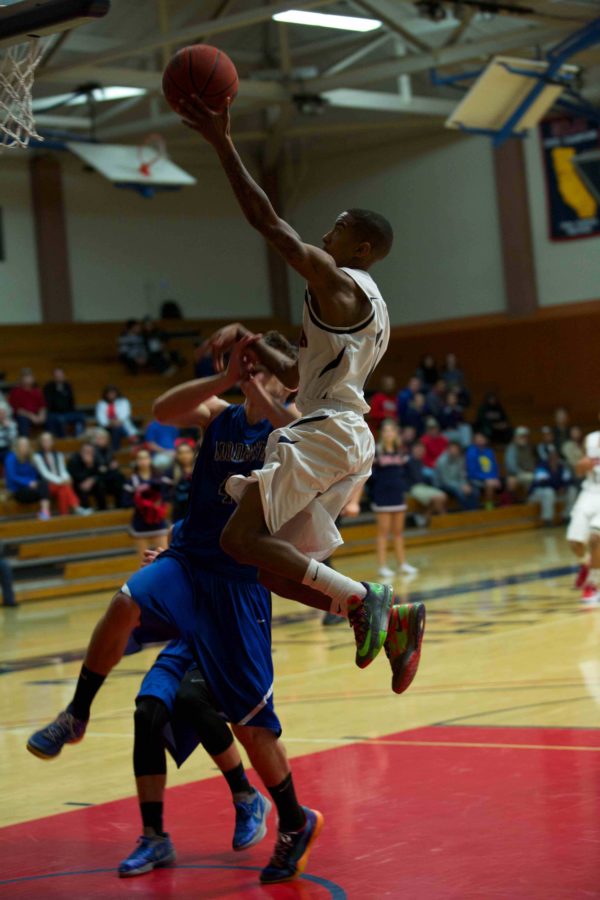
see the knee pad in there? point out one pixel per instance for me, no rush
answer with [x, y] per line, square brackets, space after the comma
[150, 717]
[196, 707]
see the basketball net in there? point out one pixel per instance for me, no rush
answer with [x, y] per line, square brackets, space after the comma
[150, 152]
[17, 71]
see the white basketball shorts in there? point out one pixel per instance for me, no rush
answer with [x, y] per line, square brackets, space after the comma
[312, 467]
[585, 517]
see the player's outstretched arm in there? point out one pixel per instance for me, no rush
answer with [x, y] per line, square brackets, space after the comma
[313, 264]
[196, 403]
[252, 347]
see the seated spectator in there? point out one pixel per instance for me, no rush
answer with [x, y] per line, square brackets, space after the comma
[553, 480]
[8, 433]
[409, 437]
[28, 404]
[131, 347]
[415, 414]
[4, 404]
[157, 356]
[520, 461]
[435, 444]
[160, 441]
[546, 444]
[6, 581]
[454, 378]
[113, 412]
[452, 421]
[492, 420]
[560, 431]
[482, 468]
[572, 449]
[60, 406]
[181, 476]
[83, 469]
[50, 463]
[146, 492]
[407, 395]
[110, 479]
[23, 479]
[383, 404]
[427, 372]
[431, 499]
[451, 477]
[436, 399]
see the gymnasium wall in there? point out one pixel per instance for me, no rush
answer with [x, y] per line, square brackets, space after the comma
[566, 271]
[19, 294]
[440, 196]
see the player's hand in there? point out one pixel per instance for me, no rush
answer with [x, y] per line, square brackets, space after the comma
[222, 341]
[255, 392]
[150, 555]
[586, 465]
[241, 359]
[213, 125]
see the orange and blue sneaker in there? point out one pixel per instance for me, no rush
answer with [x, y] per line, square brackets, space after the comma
[403, 643]
[292, 850]
[370, 618]
[49, 741]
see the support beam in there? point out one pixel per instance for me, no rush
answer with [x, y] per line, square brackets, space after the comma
[51, 239]
[392, 18]
[348, 61]
[279, 281]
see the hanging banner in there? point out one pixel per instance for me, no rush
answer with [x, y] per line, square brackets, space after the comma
[573, 210]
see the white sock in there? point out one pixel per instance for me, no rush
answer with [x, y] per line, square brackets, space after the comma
[333, 584]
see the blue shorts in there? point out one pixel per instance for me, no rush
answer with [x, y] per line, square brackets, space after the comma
[226, 625]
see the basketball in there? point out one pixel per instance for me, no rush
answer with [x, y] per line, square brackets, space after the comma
[202, 70]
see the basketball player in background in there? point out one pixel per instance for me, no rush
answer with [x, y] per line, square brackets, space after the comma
[285, 519]
[583, 532]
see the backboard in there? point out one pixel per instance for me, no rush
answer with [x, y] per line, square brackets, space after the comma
[123, 164]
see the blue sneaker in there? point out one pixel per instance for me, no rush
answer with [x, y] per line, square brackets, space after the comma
[49, 741]
[150, 853]
[292, 849]
[250, 821]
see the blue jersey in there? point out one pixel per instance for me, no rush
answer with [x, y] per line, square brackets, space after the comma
[231, 446]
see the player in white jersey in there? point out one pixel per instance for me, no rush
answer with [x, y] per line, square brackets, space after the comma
[583, 532]
[285, 519]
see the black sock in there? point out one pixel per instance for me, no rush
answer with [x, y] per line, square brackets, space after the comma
[291, 815]
[237, 781]
[88, 685]
[152, 816]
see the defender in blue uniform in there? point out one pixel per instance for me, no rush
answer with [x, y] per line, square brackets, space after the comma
[213, 603]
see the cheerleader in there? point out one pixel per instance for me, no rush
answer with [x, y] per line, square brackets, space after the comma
[389, 485]
[145, 492]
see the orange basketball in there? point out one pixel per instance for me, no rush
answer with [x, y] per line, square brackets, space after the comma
[202, 70]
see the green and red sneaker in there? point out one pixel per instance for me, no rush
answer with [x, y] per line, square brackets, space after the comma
[403, 643]
[370, 618]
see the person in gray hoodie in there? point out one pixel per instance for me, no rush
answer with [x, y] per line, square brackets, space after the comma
[451, 476]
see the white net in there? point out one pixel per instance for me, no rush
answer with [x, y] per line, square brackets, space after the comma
[17, 71]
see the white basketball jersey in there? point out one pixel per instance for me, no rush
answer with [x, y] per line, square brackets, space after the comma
[591, 482]
[335, 363]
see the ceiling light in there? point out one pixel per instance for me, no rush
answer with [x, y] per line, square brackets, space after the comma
[101, 94]
[324, 20]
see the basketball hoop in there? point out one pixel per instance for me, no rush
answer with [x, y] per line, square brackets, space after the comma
[17, 70]
[150, 152]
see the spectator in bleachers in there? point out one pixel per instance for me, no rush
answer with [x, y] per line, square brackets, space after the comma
[407, 395]
[113, 412]
[4, 404]
[110, 478]
[8, 433]
[131, 347]
[451, 477]
[83, 469]
[50, 463]
[409, 437]
[552, 481]
[23, 479]
[482, 468]
[6, 581]
[181, 476]
[436, 399]
[414, 414]
[520, 461]
[431, 499]
[427, 372]
[435, 444]
[28, 404]
[146, 492]
[546, 444]
[454, 377]
[493, 421]
[60, 406]
[157, 355]
[573, 449]
[160, 441]
[560, 430]
[452, 421]
[383, 404]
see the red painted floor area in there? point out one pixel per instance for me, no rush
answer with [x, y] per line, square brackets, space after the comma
[430, 814]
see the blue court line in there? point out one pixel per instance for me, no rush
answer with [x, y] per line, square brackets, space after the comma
[336, 892]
